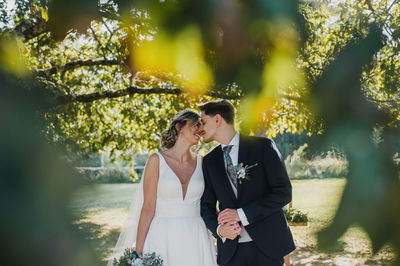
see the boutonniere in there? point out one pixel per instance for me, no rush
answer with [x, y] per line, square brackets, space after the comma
[242, 172]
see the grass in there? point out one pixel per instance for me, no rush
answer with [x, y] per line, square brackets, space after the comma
[320, 199]
[101, 210]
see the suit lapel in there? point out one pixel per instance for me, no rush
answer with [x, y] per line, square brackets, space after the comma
[220, 166]
[243, 149]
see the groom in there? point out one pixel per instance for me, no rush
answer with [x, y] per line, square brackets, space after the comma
[251, 228]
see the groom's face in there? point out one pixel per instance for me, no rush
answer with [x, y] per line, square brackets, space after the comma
[208, 127]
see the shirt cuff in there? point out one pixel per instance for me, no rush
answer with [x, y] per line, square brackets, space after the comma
[222, 238]
[242, 217]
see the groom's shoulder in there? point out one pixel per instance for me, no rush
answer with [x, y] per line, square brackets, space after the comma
[258, 140]
[211, 154]
[259, 143]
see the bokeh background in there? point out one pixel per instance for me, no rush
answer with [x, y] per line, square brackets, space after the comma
[87, 86]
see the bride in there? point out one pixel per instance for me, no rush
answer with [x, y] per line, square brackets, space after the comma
[170, 223]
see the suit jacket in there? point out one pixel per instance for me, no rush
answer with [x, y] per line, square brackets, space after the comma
[261, 197]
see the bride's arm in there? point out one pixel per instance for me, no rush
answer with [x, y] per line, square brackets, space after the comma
[150, 183]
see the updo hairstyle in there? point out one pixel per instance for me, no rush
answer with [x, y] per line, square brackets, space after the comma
[169, 136]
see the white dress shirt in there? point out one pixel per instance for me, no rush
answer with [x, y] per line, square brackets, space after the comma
[234, 153]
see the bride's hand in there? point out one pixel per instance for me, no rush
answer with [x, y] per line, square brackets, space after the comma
[138, 251]
[229, 230]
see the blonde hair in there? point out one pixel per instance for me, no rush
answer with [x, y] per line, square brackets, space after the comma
[169, 136]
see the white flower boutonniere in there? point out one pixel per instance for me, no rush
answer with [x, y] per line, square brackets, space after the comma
[242, 172]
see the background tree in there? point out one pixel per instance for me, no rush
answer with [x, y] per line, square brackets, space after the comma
[115, 72]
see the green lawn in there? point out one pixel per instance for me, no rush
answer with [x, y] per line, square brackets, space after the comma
[320, 198]
[101, 210]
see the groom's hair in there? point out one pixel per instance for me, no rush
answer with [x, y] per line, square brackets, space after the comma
[222, 107]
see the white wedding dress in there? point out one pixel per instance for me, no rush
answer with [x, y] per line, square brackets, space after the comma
[177, 232]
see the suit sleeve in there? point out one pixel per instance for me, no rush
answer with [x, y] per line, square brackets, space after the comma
[280, 188]
[208, 204]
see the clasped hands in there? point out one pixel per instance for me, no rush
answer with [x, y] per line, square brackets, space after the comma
[229, 220]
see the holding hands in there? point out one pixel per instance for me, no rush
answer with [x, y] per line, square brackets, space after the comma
[228, 215]
[229, 221]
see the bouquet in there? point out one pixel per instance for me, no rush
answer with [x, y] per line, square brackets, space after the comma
[131, 258]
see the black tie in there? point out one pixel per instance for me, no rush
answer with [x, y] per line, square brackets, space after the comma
[229, 165]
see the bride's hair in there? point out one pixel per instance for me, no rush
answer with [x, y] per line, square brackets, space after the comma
[169, 136]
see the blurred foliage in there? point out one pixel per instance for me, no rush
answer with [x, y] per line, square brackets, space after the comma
[348, 121]
[330, 68]
[35, 187]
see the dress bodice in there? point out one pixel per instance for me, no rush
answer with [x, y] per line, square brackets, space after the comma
[170, 202]
[177, 232]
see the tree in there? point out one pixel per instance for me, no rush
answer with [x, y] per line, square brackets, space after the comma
[100, 98]
[114, 74]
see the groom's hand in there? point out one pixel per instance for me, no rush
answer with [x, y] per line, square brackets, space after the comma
[229, 230]
[228, 216]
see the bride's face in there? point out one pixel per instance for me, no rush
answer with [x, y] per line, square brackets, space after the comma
[191, 131]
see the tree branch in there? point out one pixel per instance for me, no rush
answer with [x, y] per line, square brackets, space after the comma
[91, 97]
[86, 98]
[76, 64]
[98, 42]
[390, 7]
[382, 101]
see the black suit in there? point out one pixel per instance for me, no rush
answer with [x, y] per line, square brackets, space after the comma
[261, 197]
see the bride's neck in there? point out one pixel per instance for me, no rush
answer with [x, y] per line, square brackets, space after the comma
[180, 151]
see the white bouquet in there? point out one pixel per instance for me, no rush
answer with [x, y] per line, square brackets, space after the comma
[131, 258]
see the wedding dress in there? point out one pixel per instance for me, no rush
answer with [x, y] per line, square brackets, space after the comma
[177, 232]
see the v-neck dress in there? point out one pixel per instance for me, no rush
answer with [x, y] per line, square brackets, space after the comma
[177, 232]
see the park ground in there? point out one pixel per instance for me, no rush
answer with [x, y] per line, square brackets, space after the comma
[100, 211]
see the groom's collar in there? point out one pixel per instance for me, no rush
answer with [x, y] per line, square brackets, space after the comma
[234, 141]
